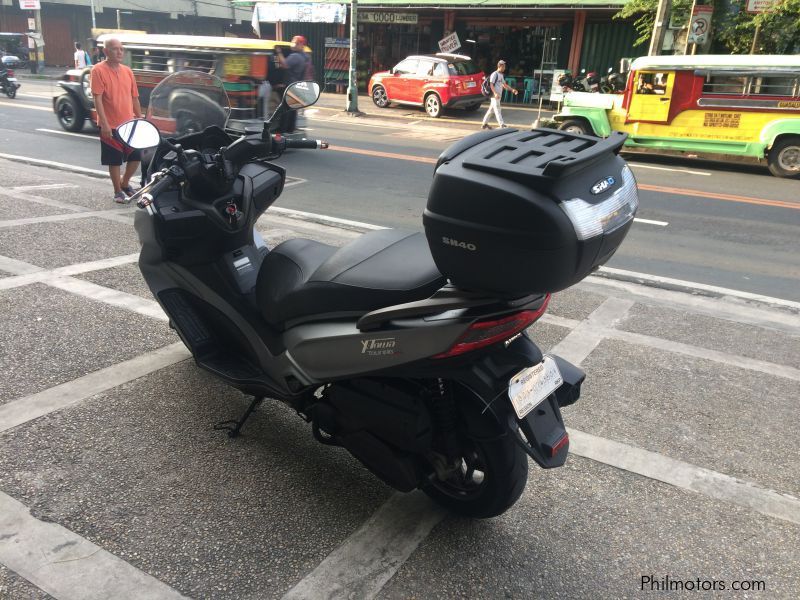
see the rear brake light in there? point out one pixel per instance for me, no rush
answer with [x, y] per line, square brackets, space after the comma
[10, 72]
[485, 333]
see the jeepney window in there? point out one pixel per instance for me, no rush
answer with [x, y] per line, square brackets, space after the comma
[149, 60]
[167, 62]
[724, 83]
[774, 86]
[652, 83]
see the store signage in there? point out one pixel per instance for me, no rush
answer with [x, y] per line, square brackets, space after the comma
[450, 43]
[389, 18]
[30, 5]
[759, 6]
[337, 42]
[700, 25]
[301, 12]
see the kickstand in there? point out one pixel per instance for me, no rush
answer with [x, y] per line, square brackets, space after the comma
[234, 428]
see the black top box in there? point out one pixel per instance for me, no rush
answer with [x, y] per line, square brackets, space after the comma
[514, 212]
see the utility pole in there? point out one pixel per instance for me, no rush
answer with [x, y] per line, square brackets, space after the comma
[689, 31]
[755, 40]
[352, 84]
[94, 21]
[660, 27]
[37, 16]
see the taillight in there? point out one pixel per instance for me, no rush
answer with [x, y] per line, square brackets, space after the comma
[485, 333]
[10, 72]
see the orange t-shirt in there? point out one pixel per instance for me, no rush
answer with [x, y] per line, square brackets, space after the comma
[118, 88]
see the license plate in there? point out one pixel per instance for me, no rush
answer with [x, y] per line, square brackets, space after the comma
[471, 84]
[12, 78]
[529, 388]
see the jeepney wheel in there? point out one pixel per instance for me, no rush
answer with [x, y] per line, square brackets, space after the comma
[433, 106]
[379, 96]
[575, 126]
[784, 157]
[70, 115]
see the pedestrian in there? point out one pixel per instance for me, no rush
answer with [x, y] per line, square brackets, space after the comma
[497, 83]
[298, 67]
[116, 99]
[80, 57]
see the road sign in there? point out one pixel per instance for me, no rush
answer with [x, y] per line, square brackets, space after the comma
[30, 5]
[700, 25]
[759, 6]
[450, 43]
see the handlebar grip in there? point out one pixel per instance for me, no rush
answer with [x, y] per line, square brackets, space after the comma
[306, 144]
[160, 185]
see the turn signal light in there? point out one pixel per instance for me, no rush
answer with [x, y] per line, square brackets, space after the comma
[485, 333]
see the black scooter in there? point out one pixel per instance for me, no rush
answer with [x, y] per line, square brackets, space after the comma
[408, 349]
[8, 83]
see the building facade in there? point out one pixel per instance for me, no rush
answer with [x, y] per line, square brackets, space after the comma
[527, 34]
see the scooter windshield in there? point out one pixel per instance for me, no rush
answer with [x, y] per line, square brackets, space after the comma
[188, 102]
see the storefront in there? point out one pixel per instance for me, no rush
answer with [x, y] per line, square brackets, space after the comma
[527, 34]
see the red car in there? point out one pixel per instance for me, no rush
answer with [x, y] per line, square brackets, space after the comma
[435, 81]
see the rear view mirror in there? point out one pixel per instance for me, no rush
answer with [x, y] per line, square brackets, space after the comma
[138, 134]
[301, 94]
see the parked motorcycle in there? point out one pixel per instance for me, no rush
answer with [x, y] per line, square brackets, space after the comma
[613, 82]
[8, 83]
[408, 349]
[569, 84]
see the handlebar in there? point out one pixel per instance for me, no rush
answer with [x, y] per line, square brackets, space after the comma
[306, 144]
[160, 182]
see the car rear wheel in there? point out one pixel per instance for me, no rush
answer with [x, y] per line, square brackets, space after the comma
[784, 157]
[379, 97]
[433, 106]
[70, 115]
[575, 126]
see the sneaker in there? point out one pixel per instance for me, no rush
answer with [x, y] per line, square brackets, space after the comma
[121, 198]
[129, 191]
[484, 126]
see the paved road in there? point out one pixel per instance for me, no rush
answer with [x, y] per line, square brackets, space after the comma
[113, 483]
[732, 226]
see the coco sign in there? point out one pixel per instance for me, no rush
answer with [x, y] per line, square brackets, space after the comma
[389, 18]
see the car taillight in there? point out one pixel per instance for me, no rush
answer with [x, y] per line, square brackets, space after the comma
[485, 333]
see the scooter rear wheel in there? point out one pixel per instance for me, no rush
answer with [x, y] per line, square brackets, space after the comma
[492, 474]
[11, 91]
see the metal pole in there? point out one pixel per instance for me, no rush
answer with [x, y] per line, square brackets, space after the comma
[119, 20]
[541, 76]
[660, 27]
[755, 40]
[37, 15]
[94, 22]
[352, 84]
[689, 30]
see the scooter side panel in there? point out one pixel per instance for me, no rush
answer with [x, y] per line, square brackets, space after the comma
[339, 349]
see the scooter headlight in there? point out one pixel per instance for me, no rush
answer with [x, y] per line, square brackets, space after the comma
[591, 220]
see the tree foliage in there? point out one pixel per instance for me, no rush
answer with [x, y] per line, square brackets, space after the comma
[779, 28]
[733, 27]
[645, 13]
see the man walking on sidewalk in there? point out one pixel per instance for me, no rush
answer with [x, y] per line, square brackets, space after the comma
[116, 98]
[497, 83]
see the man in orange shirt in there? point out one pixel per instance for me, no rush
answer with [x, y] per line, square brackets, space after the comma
[116, 99]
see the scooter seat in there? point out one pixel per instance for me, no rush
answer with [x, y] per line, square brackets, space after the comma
[303, 278]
